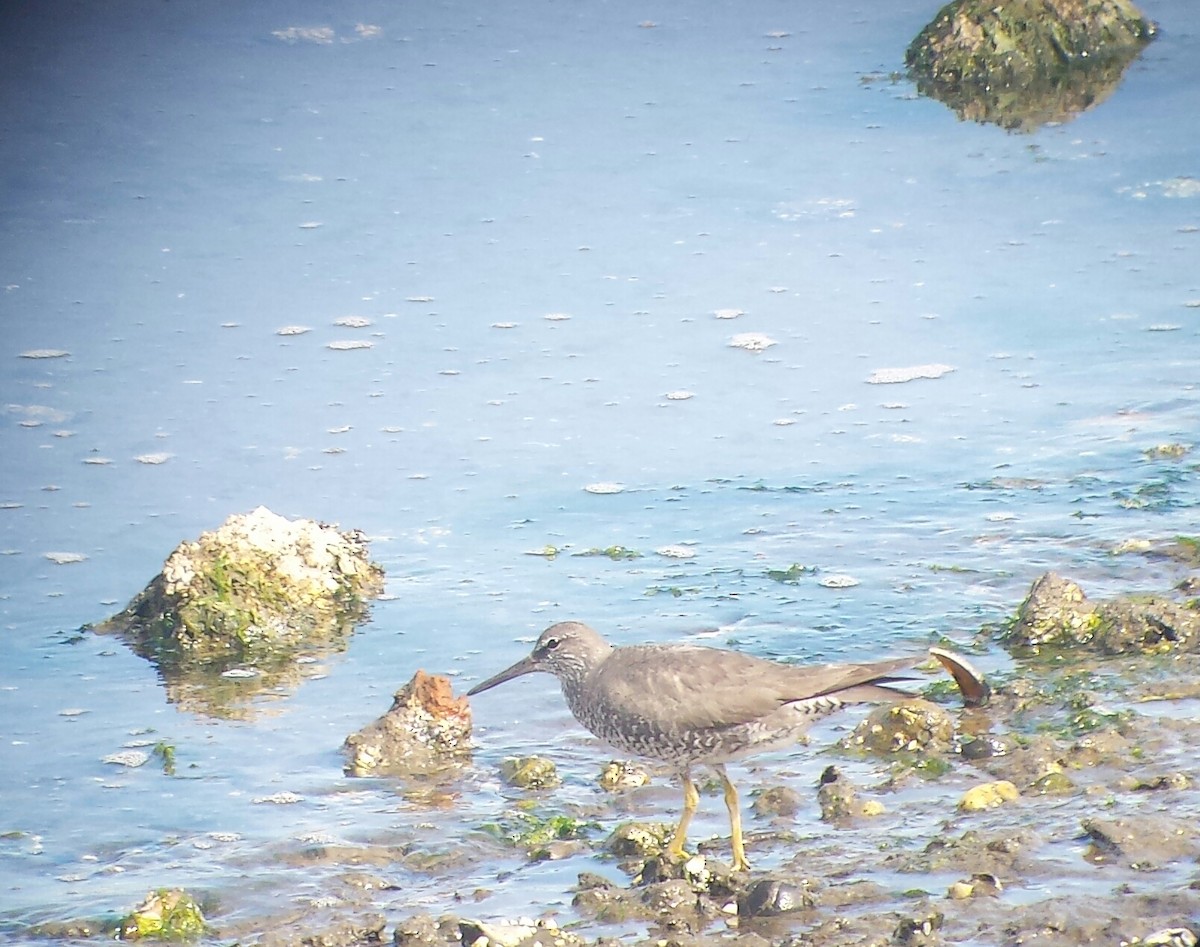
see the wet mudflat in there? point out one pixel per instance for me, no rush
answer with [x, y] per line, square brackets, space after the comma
[695, 324]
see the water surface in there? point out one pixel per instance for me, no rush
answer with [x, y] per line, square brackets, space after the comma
[538, 210]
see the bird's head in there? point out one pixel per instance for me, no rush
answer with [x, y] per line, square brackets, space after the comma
[568, 650]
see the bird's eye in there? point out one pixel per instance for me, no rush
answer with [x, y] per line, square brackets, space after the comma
[550, 644]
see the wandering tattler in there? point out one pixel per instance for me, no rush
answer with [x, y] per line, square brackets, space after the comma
[687, 705]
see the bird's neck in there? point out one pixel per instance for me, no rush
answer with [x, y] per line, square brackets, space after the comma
[574, 680]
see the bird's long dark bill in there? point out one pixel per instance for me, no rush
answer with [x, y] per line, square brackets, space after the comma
[524, 666]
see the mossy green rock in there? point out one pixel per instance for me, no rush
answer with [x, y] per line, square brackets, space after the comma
[171, 915]
[1023, 63]
[911, 726]
[1057, 615]
[1053, 784]
[247, 598]
[530, 772]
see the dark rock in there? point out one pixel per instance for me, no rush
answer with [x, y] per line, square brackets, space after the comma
[599, 898]
[997, 855]
[769, 897]
[917, 931]
[985, 746]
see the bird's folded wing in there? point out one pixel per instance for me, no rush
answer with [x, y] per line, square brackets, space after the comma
[674, 688]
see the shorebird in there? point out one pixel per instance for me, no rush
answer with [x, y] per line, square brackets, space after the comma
[687, 705]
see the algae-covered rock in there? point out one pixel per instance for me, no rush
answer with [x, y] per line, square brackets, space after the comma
[911, 726]
[1055, 611]
[619, 775]
[530, 772]
[231, 611]
[1053, 783]
[540, 836]
[426, 730]
[1023, 63]
[638, 839]
[172, 915]
[1057, 614]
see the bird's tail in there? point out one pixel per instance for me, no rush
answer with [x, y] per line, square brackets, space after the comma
[974, 689]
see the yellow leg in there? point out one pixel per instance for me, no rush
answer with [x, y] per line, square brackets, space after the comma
[691, 799]
[735, 820]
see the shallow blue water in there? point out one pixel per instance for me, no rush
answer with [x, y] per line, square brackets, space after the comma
[181, 182]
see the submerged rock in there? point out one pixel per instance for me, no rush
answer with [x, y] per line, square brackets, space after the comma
[426, 730]
[1142, 842]
[232, 612]
[1023, 63]
[530, 772]
[172, 915]
[619, 775]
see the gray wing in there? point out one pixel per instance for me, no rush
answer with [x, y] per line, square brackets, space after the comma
[685, 687]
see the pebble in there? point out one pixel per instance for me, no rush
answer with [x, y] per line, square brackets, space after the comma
[988, 796]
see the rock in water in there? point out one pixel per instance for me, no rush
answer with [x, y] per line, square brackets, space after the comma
[1023, 63]
[427, 730]
[231, 611]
